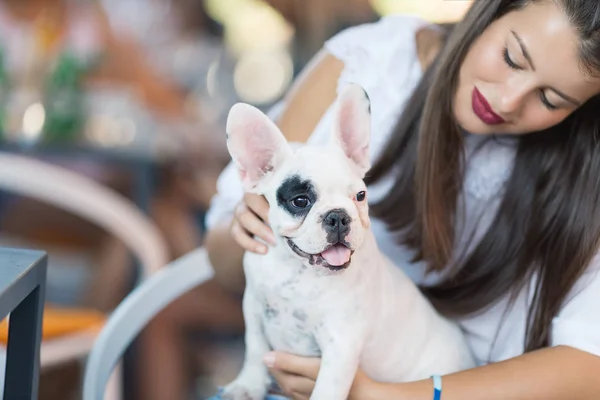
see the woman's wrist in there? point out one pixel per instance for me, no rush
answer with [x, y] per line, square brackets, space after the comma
[420, 390]
[571, 373]
[368, 389]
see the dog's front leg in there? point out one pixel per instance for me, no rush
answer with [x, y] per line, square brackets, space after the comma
[253, 381]
[340, 360]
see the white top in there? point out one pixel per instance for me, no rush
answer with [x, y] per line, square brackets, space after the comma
[382, 58]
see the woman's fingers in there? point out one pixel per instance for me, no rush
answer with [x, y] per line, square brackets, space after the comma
[258, 205]
[294, 386]
[296, 365]
[245, 240]
[254, 225]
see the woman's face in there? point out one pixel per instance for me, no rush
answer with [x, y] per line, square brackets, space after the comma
[523, 74]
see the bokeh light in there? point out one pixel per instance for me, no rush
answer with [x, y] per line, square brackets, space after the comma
[438, 11]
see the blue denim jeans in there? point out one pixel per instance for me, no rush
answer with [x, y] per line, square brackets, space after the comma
[268, 397]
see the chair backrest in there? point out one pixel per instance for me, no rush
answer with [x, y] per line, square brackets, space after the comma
[88, 199]
[135, 311]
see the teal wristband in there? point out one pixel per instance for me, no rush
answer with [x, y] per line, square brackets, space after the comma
[437, 387]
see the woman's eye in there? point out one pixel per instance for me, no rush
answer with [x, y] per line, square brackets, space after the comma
[546, 102]
[360, 196]
[301, 202]
[509, 60]
[516, 66]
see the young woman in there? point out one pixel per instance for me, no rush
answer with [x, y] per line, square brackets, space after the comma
[484, 191]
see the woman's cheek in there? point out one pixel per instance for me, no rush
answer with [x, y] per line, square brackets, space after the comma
[539, 118]
[486, 63]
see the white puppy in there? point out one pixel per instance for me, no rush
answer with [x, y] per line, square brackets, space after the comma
[325, 289]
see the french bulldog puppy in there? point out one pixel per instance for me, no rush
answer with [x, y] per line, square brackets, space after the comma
[325, 289]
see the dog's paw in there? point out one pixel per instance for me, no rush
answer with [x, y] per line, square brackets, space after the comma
[238, 391]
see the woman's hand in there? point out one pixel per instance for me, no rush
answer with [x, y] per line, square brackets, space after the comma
[296, 376]
[251, 219]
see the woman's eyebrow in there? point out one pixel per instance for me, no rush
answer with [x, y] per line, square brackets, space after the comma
[523, 49]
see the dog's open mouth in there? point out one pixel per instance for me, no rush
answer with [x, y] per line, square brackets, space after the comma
[335, 257]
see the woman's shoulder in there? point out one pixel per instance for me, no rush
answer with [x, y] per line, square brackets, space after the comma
[380, 41]
[384, 56]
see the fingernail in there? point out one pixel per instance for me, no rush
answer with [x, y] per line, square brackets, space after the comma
[261, 249]
[269, 360]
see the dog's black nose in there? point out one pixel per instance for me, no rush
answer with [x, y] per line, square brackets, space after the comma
[337, 224]
[336, 219]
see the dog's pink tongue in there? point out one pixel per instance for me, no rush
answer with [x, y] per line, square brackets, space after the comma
[337, 255]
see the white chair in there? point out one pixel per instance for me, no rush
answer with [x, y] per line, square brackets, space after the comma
[136, 310]
[98, 204]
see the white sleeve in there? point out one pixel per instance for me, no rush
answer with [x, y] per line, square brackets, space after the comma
[379, 50]
[382, 58]
[578, 323]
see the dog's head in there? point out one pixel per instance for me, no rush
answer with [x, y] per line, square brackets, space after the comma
[317, 197]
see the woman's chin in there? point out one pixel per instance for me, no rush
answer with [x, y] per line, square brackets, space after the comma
[473, 125]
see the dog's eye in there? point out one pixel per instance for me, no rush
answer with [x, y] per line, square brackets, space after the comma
[360, 196]
[301, 202]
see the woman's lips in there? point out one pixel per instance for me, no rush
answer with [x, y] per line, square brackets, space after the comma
[483, 110]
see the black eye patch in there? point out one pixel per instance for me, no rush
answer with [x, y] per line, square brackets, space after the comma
[296, 196]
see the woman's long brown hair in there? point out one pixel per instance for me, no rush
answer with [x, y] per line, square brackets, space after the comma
[547, 226]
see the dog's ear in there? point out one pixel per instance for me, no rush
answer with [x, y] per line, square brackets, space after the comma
[255, 144]
[352, 126]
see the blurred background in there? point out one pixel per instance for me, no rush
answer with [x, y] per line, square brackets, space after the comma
[132, 95]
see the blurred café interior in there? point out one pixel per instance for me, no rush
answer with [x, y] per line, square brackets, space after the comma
[130, 97]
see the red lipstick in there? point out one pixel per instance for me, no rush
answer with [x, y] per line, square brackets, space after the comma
[483, 110]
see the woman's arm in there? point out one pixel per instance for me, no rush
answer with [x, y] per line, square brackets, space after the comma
[556, 373]
[308, 99]
[225, 256]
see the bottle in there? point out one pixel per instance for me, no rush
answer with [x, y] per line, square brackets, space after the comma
[63, 99]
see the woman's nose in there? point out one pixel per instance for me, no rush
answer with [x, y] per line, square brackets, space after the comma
[514, 94]
[512, 100]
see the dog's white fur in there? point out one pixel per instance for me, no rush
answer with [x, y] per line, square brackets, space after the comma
[368, 314]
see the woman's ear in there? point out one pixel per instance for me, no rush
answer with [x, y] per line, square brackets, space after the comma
[429, 41]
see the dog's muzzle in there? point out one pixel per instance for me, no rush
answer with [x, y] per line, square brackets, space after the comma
[335, 257]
